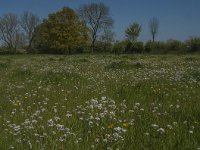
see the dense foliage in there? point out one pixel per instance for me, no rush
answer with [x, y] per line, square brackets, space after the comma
[61, 33]
[133, 32]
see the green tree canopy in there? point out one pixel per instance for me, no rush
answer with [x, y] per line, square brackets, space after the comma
[62, 32]
[133, 32]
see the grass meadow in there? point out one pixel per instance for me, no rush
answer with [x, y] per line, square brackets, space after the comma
[86, 102]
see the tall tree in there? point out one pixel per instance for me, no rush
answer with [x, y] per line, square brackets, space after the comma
[29, 22]
[61, 32]
[107, 36]
[9, 31]
[133, 32]
[105, 41]
[97, 16]
[154, 26]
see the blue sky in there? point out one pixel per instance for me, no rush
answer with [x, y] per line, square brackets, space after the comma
[179, 19]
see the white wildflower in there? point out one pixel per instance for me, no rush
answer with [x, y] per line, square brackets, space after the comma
[60, 127]
[154, 125]
[69, 115]
[169, 126]
[191, 132]
[161, 130]
[147, 134]
[50, 123]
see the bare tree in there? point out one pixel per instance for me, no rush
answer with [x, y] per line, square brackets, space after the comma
[21, 40]
[9, 30]
[154, 25]
[29, 22]
[97, 17]
[107, 36]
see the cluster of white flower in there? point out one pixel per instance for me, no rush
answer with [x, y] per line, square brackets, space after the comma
[55, 102]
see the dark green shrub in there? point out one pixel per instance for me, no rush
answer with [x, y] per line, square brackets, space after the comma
[149, 46]
[161, 46]
[155, 47]
[128, 48]
[133, 48]
[103, 47]
[193, 44]
[138, 47]
[119, 47]
[174, 45]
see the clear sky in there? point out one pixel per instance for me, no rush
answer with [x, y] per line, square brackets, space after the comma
[179, 19]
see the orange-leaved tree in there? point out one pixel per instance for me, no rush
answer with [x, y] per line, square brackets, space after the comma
[62, 32]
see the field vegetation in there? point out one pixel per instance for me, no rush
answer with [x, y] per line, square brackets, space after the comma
[68, 83]
[100, 102]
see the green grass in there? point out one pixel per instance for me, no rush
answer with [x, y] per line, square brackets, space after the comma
[100, 102]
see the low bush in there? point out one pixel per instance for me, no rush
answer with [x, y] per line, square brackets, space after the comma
[193, 44]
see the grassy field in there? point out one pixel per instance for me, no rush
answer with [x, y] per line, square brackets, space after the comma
[128, 102]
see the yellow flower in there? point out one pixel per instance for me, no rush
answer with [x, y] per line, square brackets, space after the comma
[110, 126]
[125, 124]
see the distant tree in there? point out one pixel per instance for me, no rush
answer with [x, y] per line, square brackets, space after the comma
[133, 32]
[119, 47]
[149, 46]
[9, 31]
[103, 47]
[62, 32]
[21, 40]
[105, 42]
[193, 44]
[138, 47]
[97, 17]
[107, 36]
[155, 47]
[29, 22]
[174, 45]
[154, 26]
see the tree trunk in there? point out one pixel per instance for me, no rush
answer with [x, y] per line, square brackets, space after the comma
[153, 38]
[92, 46]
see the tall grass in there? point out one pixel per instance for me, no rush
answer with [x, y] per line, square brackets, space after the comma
[100, 102]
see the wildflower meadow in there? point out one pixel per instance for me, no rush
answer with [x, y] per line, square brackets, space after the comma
[111, 102]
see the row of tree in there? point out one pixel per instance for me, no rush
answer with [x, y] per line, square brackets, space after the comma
[171, 46]
[88, 29]
[66, 31]
[17, 32]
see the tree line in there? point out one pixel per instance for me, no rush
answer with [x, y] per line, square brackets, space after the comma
[85, 30]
